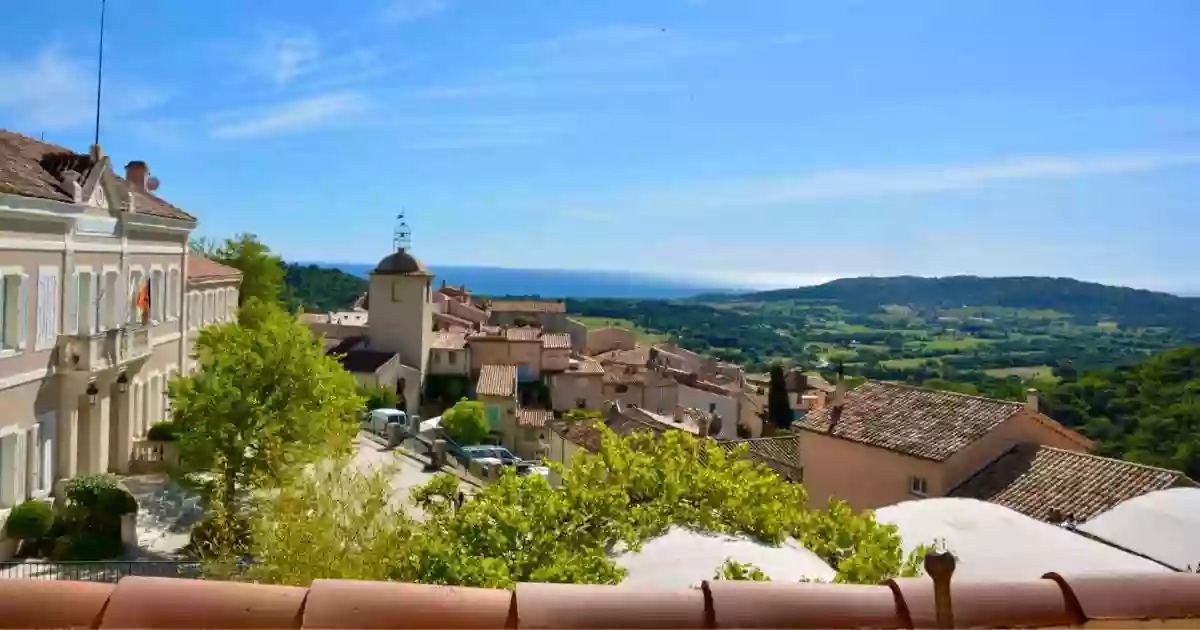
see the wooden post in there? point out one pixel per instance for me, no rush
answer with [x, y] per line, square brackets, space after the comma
[940, 567]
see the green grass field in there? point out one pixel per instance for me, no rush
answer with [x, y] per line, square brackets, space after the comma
[956, 343]
[906, 363]
[1033, 371]
[643, 335]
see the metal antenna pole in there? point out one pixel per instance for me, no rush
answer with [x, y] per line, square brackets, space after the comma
[100, 71]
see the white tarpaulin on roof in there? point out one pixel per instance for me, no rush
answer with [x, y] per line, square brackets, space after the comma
[682, 558]
[1162, 525]
[995, 543]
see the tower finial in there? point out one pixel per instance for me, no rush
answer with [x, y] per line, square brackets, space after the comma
[401, 237]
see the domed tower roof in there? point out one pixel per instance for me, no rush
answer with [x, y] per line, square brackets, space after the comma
[401, 263]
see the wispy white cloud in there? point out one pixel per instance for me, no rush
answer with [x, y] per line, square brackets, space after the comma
[402, 11]
[289, 116]
[53, 91]
[281, 58]
[867, 183]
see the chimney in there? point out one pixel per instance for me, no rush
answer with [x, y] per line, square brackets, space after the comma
[677, 415]
[70, 184]
[138, 174]
[1031, 400]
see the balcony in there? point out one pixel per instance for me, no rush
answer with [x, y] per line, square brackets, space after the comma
[101, 351]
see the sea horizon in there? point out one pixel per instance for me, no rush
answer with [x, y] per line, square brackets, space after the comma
[562, 283]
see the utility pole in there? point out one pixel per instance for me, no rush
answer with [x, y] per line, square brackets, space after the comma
[100, 71]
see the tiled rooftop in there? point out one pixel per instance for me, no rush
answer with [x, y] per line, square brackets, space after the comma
[363, 361]
[924, 423]
[585, 366]
[449, 341]
[637, 356]
[201, 268]
[1053, 484]
[151, 603]
[529, 306]
[29, 167]
[780, 454]
[534, 417]
[497, 380]
[523, 333]
[556, 341]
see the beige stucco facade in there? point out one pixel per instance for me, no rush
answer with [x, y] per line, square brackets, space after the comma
[569, 389]
[871, 477]
[526, 355]
[449, 361]
[82, 374]
[501, 412]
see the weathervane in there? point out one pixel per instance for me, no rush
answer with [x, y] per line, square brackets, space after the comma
[402, 237]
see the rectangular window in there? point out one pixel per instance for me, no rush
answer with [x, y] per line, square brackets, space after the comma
[453, 357]
[136, 277]
[47, 308]
[111, 310]
[157, 296]
[917, 486]
[11, 311]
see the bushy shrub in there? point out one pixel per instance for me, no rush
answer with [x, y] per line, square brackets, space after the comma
[87, 546]
[218, 534]
[378, 397]
[98, 500]
[165, 431]
[30, 520]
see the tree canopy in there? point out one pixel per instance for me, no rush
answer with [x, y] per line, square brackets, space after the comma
[262, 271]
[466, 422]
[779, 409]
[263, 399]
[340, 524]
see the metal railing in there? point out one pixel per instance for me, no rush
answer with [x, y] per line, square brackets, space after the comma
[104, 571]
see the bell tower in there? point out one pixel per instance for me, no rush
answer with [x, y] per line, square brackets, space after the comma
[401, 308]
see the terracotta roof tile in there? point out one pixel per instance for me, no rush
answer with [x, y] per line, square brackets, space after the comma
[923, 423]
[142, 602]
[738, 604]
[1053, 484]
[534, 417]
[585, 366]
[335, 604]
[452, 319]
[1146, 596]
[599, 606]
[528, 306]
[202, 268]
[586, 433]
[497, 380]
[556, 341]
[449, 341]
[52, 604]
[781, 454]
[29, 167]
[1029, 604]
[523, 333]
[1158, 600]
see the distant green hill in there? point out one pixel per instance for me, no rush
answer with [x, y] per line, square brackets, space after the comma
[1084, 300]
[320, 289]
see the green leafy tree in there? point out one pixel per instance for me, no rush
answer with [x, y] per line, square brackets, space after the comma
[779, 410]
[466, 422]
[378, 396]
[262, 272]
[733, 570]
[520, 529]
[264, 399]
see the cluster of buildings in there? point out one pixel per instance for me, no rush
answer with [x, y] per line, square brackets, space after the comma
[873, 446]
[100, 302]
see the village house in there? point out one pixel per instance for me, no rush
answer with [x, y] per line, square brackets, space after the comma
[883, 443]
[101, 301]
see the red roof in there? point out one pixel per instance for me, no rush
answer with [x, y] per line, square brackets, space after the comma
[201, 268]
[1053, 601]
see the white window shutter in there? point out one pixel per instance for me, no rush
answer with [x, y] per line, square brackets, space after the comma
[94, 310]
[72, 300]
[23, 312]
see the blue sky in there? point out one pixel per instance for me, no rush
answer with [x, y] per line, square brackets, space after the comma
[777, 142]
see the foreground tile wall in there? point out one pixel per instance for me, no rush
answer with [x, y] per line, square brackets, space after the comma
[1128, 601]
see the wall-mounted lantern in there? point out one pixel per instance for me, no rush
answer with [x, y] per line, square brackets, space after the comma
[123, 383]
[92, 393]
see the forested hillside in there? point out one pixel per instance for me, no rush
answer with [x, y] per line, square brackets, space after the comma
[1148, 412]
[319, 289]
[1130, 307]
